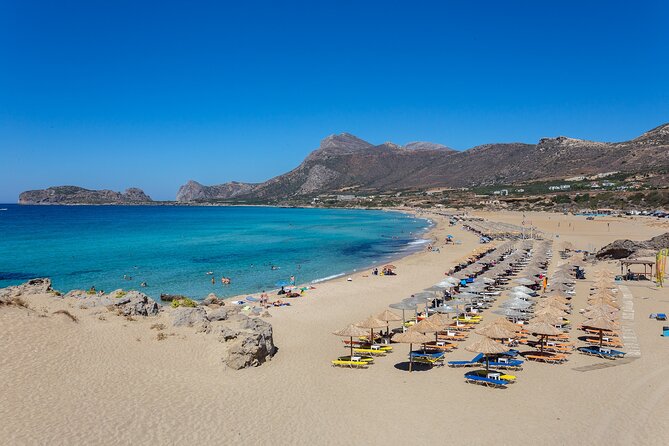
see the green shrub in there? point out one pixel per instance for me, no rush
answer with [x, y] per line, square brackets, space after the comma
[120, 294]
[185, 302]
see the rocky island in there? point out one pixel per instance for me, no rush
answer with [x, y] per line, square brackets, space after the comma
[79, 195]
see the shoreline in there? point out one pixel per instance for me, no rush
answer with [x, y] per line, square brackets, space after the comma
[406, 250]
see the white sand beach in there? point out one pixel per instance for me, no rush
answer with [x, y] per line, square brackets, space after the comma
[112, 382]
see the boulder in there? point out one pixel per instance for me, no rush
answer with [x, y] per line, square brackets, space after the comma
[211, 299]
[135, 303]
[220, 314]
[622, 249]
[190, 317]
[250, 342]
[33, 286]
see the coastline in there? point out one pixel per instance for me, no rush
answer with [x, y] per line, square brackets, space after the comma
[58, 370]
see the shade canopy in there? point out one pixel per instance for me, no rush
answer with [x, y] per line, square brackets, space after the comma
[388, 316]
[542, 328]
[487, 346]
[496, 331]
[352, 331]
[371, 322]
[403, 306]
[601, 323]
[412, 336]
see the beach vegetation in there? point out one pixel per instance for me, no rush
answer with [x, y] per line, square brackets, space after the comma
[184, 302]
[69, 315]
[120, 294]
[158, 327]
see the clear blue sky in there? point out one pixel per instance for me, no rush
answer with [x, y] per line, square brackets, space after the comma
[118, 94]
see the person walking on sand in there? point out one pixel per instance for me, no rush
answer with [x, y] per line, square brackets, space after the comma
[264, 299]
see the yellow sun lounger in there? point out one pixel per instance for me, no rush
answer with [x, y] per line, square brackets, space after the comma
[350, 363]
[371, 351]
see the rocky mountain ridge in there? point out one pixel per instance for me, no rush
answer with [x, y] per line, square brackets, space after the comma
[79, 195]
[344, 163]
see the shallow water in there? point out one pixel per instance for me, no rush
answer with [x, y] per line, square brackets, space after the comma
[172, 248]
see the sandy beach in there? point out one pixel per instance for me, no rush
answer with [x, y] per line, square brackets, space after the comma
[112, 382]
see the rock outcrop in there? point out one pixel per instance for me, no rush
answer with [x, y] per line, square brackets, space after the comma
[250, 341]
[79, 195]
[33, 286]
[622, 249]
[194, 191]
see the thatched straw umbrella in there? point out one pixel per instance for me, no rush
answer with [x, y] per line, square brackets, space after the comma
[601, 324]
[352, 331]
[411, 337]
[543, 329]
[600, 311]
[505, 323]
[429, 326]
[550, 311]
[371, 323]
[487, 346]
[604, 308]
[496, 331]
[549, 303]
[388, 316]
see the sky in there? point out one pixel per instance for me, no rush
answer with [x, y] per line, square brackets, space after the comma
[151, 94]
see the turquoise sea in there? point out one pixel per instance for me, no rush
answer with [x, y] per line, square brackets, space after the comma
[172, 248]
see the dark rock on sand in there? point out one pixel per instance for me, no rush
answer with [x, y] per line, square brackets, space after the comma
[189, 317]
[622, 249]
[250, 342]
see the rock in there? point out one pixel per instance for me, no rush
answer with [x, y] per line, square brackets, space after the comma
[621, 249]
[137, 304]
[189, 317]
[171, 297]
[33, 286]
[220, 314]
[211, 299]
[251, 344]
[79, 195]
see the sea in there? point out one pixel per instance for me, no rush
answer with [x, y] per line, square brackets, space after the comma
[180, 249]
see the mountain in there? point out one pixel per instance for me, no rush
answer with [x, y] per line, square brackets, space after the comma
[79, 195]
[194, 191]
[344, 163]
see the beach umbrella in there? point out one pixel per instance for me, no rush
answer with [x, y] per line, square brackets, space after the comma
[388, 316]
[487, 347]
[511, 313]
[390, 267]
[429, 326]
[505, 323]
[551, 312]
[521, 295]
[548, 318]
[523, 289]
[599, 311]
[371, 323]
[543, 329]
[496, 331]
[601, 323]
[550, 303]
[525, 281]
[411, 337]
[351, 331]
[516, 304]
[403, 306]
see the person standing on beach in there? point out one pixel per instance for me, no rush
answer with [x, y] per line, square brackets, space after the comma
[264, 299]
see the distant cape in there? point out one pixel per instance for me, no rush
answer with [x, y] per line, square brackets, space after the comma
[79, 195]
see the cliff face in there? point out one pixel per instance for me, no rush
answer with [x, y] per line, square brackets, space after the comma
[79, 195]
[346, 164]
[194, 191]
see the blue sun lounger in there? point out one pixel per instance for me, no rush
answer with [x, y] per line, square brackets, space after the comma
[473, 378]
[432, 358]
[606, 353]
[511, 364]
[472, 363]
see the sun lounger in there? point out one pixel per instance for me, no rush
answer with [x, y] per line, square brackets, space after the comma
[661, 317]
[370, 351]
[452, 336]
[441, 345]
[354, 362]
[474, 378]
[365, 344]
[549, 359]
[432, 358]
[606, 353]
[504, 363]
[607, 341]
[471, 363]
